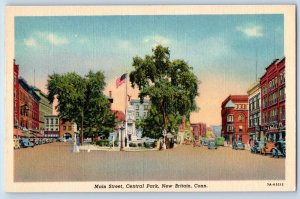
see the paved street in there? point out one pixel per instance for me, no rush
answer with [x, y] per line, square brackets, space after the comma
[55, 162]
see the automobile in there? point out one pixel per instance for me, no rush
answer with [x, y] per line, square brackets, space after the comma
[212, 145]
[220, 141]
[44, 141]
[197, 143]
[204, 142]
[40, 141]
[257, 147]
[36, 141]
[268, 148]
[279, 149]
[238, 145]
[17, 144]
[26, 143]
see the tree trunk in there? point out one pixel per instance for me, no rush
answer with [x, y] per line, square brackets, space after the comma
[81, 129]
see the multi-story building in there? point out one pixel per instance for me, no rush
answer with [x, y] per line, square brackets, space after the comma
[45, 108]
[235, 118]
[272, 85]
[254, 114]
[16, 95]
[216, 129]
[141, 110]
[29, 106]
[67, 129]
[51, 125]
[199, 129]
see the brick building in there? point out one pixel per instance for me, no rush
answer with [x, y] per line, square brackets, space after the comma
[29, 106]
[67, 129]
[199, 129]
[235, 118]
[16, 95]
[272, 85]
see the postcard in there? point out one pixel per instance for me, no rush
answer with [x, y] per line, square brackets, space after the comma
[150, 98]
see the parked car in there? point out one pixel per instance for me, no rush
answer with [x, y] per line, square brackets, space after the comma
[220, 141]
[268, 148]
[36, 141]
[212, 145]
[238, 145]
[279, 149]
[257, 147]
[44, 141]
[26, 143]
[204, 142]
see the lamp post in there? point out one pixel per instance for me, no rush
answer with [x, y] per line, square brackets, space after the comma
[121, 146]
[75, 147]
[164, 144]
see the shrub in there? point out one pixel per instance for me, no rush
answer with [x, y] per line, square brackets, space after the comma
[140, 145]
[132, 145]
[147, 145]
[102, 143]
[116, 143]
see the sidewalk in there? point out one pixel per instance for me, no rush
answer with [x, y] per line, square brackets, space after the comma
[98, 148]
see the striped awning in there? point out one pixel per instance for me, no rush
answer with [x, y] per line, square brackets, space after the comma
[18, 133]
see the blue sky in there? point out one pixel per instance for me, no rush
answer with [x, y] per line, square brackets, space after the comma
[221, 48]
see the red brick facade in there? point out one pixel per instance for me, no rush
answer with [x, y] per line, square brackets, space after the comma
[16, 95]
[235, 118]
[272, 85]
[199, 129]
[29, 106]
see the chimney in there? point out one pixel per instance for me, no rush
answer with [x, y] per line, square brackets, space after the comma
[109, 93]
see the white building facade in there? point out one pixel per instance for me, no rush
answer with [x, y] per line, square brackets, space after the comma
[140, 110]
[254, 113]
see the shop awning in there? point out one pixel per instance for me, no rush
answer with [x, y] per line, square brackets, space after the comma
[18, 133]
[38, 135]
[273, 131]
[26, 134]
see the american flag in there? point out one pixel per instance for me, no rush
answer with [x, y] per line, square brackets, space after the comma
[121, 80]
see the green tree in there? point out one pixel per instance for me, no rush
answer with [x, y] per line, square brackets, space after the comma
[81, 100]
[170, 85]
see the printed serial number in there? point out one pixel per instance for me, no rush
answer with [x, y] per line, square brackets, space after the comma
[278, 184]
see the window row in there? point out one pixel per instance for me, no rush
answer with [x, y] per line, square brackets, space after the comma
[274, 115]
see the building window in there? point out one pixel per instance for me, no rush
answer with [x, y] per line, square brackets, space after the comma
[146, 107]
[64, 128]
[145, 113]
[137, 107]
[137, 114]
[240, 118]
[56, 121]
[230, 128]
[229, 118]
[51, 121]
[70, 127]
[282, 94]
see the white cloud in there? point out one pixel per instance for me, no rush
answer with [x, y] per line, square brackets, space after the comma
[251, 30]
[156, 39]
[56, 40]
[52, 38]
[30, 42]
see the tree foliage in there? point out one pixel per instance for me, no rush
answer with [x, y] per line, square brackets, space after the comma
[81, 100]
[170, 85]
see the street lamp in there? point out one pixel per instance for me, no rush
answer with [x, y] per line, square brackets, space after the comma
[121, 129]
[164, 144]
[75, 147]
